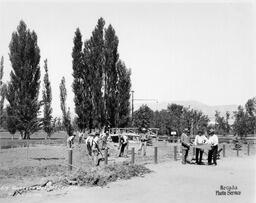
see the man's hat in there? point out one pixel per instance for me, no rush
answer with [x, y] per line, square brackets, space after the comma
[211, 131]
[143, 130]
[200, 131]
[186, 130]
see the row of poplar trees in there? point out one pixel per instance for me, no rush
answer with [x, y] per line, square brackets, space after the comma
[101, 80]
[101, 84]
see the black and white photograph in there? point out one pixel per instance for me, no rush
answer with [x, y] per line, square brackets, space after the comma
[125, 101]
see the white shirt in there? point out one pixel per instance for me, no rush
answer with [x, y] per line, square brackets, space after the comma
[70, 138]
[89, 140]
[95, 142]
[125, 138]
[80, 134]
[213, 140]
[200, 139]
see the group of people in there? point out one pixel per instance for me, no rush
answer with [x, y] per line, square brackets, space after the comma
[201, 143]
[96, 142]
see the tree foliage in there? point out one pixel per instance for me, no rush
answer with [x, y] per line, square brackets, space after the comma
[81, 84]
[2, 92]
[245, 118]
[222, 126]
[101, 81]
[177, 117]
[112, 71]
[94, 58]
[47, 100]
[65, 113]
[23, 88]
[123, 95]
[143, 117]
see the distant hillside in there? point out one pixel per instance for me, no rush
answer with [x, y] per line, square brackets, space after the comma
[206, 109]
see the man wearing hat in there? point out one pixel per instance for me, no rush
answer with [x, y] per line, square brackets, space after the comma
[143, 141]
[185, 145]
[88, 143]
[213, 141]
[95, 148]
[123, 143]
[200, 139]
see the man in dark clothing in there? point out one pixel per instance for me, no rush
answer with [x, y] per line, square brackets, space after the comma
[212, 154]
[143, 141]
[123, 144]
[185, 145]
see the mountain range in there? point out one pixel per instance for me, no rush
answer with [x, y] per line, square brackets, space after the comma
[206, 109]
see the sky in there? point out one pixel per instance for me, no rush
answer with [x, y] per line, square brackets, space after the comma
[176, 50]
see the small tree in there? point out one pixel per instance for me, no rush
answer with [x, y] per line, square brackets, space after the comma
[173, 121]
[47, 100]
[250, 107]
[143, 117]
[66, 114]
[240, 123]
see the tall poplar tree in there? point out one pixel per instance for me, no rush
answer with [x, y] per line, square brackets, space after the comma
[2, 91]
[111, 76]
[65, 113]
[80, 83]
[47, 100]
[23, 88]
[124, 89]
[95, 60]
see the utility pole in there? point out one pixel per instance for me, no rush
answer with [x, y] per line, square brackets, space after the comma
[132, 105]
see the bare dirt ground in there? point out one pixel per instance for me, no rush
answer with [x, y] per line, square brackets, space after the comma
[170, 182]
[47, 160]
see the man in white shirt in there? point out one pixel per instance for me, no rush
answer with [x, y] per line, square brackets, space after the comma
[143, 141]
[200, 139]
[89, 143]
[95, 148]
[212, 154]
[80, 136]
[123, 143]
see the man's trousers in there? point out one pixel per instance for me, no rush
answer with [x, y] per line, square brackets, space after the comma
[212, 155]
[184, 155]
[199, 153]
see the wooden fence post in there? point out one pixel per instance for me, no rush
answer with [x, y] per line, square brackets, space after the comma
[248, 149]
[106, 156]
[70, 154]
[237, 152]
[155, 153]
[224, 150]
[175, 153]
[133, 155]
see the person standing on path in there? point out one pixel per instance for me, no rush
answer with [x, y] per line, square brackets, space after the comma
[143, 141]
[200, 139]
[185, 145]
[213, 141]
[123, 144]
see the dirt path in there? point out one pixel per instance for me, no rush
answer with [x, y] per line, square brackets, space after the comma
[171, 182]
